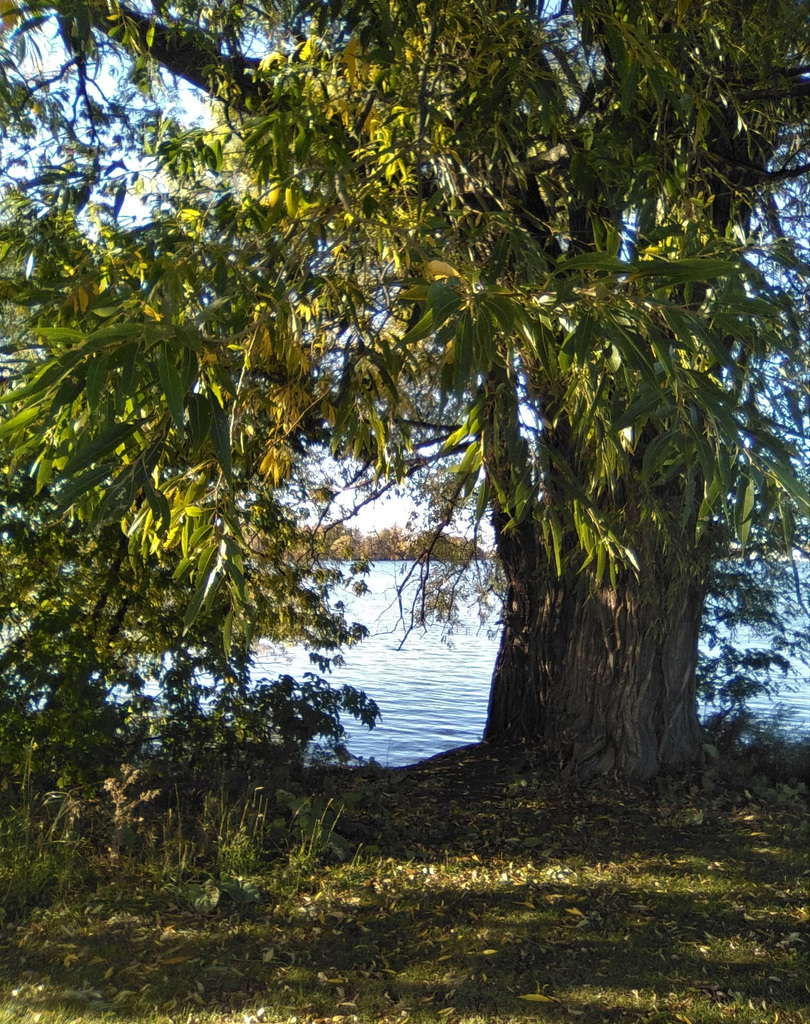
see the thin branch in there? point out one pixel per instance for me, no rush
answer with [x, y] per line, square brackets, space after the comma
[422, 562]
[793, 90]
[758, 175]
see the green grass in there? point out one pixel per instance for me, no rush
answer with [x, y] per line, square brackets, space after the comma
[480, 893]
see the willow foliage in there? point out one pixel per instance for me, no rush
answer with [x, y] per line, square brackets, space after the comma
[555, 246]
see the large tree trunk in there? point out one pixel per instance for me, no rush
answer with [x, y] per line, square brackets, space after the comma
[601, 679]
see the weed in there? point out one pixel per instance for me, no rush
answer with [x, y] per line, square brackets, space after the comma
[127, 803]
[312, 831]
[240, 831]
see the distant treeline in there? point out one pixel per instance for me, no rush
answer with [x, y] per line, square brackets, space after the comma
[395, 544]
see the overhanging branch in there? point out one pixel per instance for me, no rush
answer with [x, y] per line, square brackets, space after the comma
[186, 53]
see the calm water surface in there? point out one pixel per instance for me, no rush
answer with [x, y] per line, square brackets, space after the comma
[433, 688]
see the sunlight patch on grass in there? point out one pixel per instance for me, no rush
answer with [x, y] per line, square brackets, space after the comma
[631, 916]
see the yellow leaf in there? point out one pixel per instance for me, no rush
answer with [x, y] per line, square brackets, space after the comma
[9, 15]
[109, 973]
[351, 61]
[489, 952]
[575, 911]
[263, 342]
[270, 60]
[309, 49]
[538, 997]
[84, 298]
[276, 464]
[438, 268]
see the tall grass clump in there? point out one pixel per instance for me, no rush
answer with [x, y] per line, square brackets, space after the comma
[44, 846]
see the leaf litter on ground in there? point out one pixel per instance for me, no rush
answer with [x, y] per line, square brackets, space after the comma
[624, 909]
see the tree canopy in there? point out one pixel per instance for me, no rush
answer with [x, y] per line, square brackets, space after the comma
[557, 247]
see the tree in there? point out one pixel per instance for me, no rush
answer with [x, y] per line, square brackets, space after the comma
[98, 671]
[553, 246]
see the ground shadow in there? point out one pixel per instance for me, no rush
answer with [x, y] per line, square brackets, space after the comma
[493, 893]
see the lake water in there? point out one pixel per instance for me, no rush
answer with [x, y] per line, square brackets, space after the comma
[433, 688]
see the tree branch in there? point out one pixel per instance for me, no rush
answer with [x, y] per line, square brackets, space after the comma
[791, 90]
[185, 53]
[758, 175]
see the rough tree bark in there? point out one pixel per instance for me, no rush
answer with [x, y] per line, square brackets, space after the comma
[600, 679]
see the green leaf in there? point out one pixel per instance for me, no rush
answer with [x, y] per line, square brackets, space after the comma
[89, 452]
[689, 499]
[226, 633]
[692, 333]
[51, 374]
[582, 340]
[189, 337]
[20, 421]
[203, 898]
[114, 332]
[61, 335]
[157, 502]
[656, 452]
[198, 410]
[472, 461]
[504, 312]
[644, 404]
[483, 339]
[220, 435]
[416, 293]
[482, 501]
[79, 486]
[95, 380]
[214, 583]
[420, 330]
[462, 352]
[171, 384]
[443, 299]
[128, 357]
[205, 571]
[744, 507]
[601, 561]
[682, 271]
[556, 535]
[240, 890]
[44, 473]
[199, 535]
[118, 497]
[595, 261]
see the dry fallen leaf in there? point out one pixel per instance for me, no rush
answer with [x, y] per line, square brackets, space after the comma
[538, 997]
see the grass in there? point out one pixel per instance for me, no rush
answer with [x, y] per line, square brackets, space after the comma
[473, 890]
